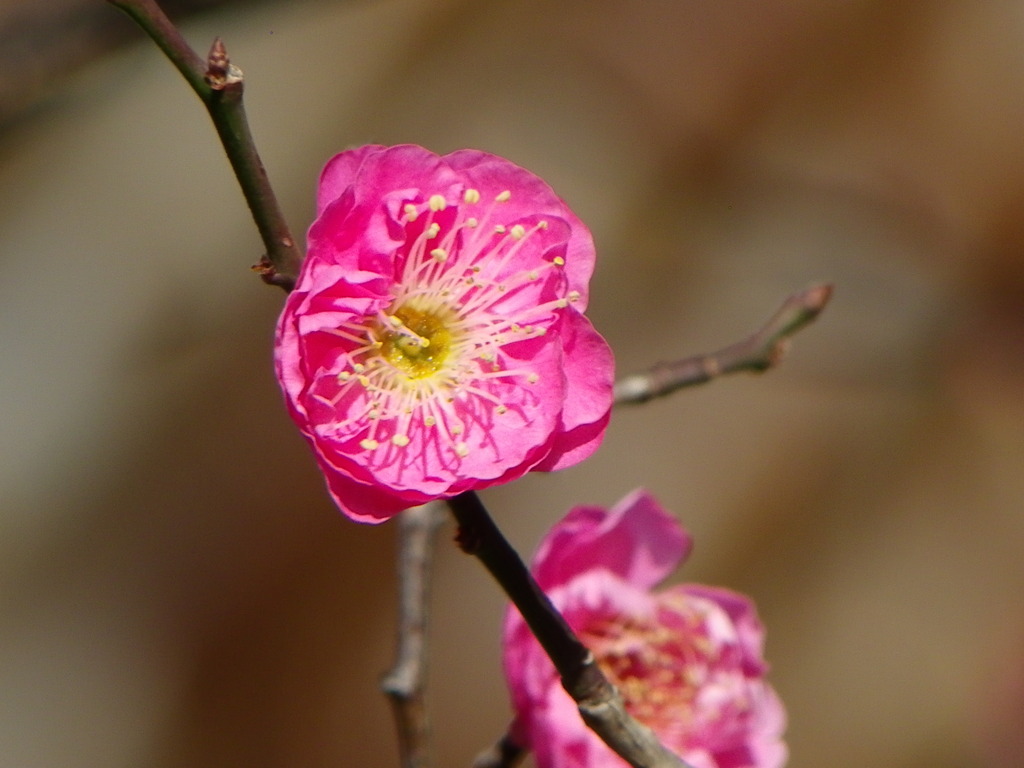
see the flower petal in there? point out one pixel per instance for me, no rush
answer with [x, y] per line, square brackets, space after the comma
[590, 376]
[637, 540]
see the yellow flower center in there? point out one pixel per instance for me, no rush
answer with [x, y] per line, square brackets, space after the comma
[417, 342]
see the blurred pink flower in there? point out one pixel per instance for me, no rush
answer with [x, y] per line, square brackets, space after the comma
[687, 659]
[435, 341]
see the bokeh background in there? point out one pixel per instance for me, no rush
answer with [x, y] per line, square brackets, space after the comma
[175, 589]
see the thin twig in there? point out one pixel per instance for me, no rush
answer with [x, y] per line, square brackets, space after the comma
[404, 684]
[598, 701]
[757, 353]
[504, 753]
[219, 85]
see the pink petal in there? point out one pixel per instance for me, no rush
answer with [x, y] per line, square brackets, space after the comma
[637, 540]
[492, 175]
[590, 375]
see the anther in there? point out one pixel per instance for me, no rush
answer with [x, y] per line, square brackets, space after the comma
[500, 229]
[432, 230]
[400, 440]
[518, 231]
[437, 203]
[533, 378]
[559, 261]
[471, 196]
[504, 197]
[410, 212]
[440, 254]
[462, 450]
[574, 295]
[368, 444]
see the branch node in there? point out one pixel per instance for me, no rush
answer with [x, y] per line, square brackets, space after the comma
[220, 72]
[268, 274]
[711, 366]
[505, 753]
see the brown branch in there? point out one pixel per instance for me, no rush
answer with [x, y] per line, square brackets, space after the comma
[757, 353]
[598, 701]
[504, 753]
[405, 682]
[219, 85]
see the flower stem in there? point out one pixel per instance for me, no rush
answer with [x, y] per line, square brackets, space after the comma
[220, 86]
[598, 701]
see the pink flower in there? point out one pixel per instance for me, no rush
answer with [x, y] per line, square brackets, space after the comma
[435, 342]
[687, 659]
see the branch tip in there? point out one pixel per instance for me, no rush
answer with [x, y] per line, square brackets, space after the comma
[817, 296]
[219, 84]
[759, 352]
[220, 72]
[217, 63]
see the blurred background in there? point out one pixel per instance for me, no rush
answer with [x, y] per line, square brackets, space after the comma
[175, 588]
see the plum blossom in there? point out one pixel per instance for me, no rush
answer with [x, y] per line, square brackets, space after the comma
[687, 659]
[435, 340]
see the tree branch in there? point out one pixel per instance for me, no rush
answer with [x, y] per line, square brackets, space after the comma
[757, 353]
[219, 85]
[504, 753]
[404, 684]
[599, 703]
